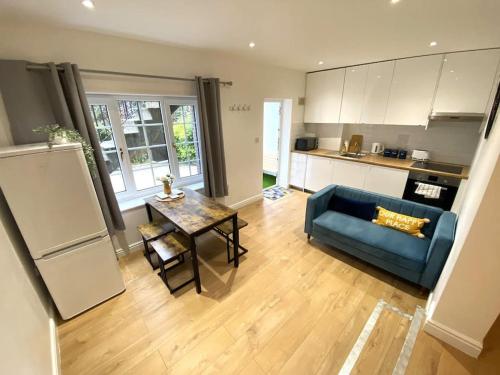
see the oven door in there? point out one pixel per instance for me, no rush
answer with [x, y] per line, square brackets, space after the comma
[446, 195]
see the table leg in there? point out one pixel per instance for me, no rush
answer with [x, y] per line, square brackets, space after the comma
[148, 211]
[194, 258]
[236, 241]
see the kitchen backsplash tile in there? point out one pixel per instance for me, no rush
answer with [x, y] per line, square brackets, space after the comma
[447, 142]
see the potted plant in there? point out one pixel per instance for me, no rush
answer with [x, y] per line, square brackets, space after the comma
[58, 135]
[167, 180]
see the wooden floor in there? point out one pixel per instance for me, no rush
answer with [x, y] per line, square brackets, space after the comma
[292, 307]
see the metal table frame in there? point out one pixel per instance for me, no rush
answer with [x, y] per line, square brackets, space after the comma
[192, 240]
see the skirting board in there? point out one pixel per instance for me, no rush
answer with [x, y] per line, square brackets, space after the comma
[247, 201]
[463, 343]
[131, 248]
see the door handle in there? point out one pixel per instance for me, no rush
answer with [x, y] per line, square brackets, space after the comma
[121, 154]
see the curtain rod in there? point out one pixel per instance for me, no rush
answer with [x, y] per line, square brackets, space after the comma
[32, 66]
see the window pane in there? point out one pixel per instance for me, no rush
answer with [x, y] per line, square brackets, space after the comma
[184, 170]
[195, 168]
[134, 136]
[156, 135]
[188, 114]
[143, 178]
[151, 112]
[176, 113]
[189, 132]
[139, 158]
[104, 131]
[115, 173]
[106, 139]
[179, 135]
[159, 154]
[182, 152]
[129, 112]
[160, 171]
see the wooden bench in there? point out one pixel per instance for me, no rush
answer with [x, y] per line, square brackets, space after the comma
[225, 230]
[169, 248]
[151, 232]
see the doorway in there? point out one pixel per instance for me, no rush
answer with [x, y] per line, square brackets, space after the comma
[271, 142]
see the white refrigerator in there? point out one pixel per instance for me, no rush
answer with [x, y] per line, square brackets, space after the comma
[51, 196]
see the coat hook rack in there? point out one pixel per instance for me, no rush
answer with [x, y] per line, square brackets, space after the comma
[240, 107]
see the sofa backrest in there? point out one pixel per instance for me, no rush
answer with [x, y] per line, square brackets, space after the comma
[395, 204]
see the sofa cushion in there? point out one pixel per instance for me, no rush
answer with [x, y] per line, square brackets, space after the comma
[394, 204]
[392, 246]
[359, 209]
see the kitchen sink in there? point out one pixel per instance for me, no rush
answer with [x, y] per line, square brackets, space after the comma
[354, 155]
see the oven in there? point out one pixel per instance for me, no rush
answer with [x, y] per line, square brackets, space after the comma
[448, 187]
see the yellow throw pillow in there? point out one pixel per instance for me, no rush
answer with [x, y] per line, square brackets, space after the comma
[403, 223]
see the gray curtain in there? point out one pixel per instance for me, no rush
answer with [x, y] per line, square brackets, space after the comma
[212, 141]
[37, 98]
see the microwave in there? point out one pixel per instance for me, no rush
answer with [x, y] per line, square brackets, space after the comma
[306, 143]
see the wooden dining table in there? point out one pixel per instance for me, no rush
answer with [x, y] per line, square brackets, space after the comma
[194, 215]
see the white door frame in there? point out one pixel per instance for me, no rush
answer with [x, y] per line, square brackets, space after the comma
[284, 143]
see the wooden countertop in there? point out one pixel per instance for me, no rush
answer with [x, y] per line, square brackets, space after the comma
[386, 162]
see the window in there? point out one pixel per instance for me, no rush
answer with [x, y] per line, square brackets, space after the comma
[145, 138]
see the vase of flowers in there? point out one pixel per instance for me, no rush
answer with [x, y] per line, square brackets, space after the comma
[167, 180]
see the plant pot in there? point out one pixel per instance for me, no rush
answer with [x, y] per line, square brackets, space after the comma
[167, 189]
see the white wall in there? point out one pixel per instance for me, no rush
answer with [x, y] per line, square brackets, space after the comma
[450, 142]
[252, 83]
[466, 300]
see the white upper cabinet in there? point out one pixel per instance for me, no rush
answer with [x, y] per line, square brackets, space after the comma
[324, 96]
[466, 81]
[412, 90]
[352, 99]
[376, 94]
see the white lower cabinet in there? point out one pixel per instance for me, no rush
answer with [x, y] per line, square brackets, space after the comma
[388, 181]
[318, 172]
[298, 164]
[349, 173]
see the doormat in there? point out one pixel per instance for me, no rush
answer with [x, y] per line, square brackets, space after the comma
[276, 192]
[386, 342]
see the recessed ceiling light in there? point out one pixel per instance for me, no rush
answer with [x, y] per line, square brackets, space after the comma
[394, 1]
[251, 44]
[433, 44]
[88, 4]
[321, 62]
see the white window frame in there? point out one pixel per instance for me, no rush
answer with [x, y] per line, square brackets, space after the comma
[111, 102]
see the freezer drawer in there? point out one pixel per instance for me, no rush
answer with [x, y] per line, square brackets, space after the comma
[82, 277]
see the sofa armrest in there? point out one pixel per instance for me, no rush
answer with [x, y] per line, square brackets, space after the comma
[317, 203]
[440, 247]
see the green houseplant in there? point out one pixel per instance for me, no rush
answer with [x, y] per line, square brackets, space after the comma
[60, 135]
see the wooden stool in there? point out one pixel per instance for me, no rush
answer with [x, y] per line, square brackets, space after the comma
[225, 230]
[169, 248]
[151, 232]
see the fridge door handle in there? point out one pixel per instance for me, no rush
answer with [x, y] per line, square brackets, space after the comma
[72, 248]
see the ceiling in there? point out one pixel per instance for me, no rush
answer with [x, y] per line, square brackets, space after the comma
[290, 33]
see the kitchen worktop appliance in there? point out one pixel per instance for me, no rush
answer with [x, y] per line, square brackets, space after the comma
[306, 143]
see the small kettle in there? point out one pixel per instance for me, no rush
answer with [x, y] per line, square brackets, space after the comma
[377, 148]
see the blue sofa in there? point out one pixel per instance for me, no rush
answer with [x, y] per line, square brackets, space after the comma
[419, 260]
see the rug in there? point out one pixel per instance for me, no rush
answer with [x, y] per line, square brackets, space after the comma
[276, 192]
